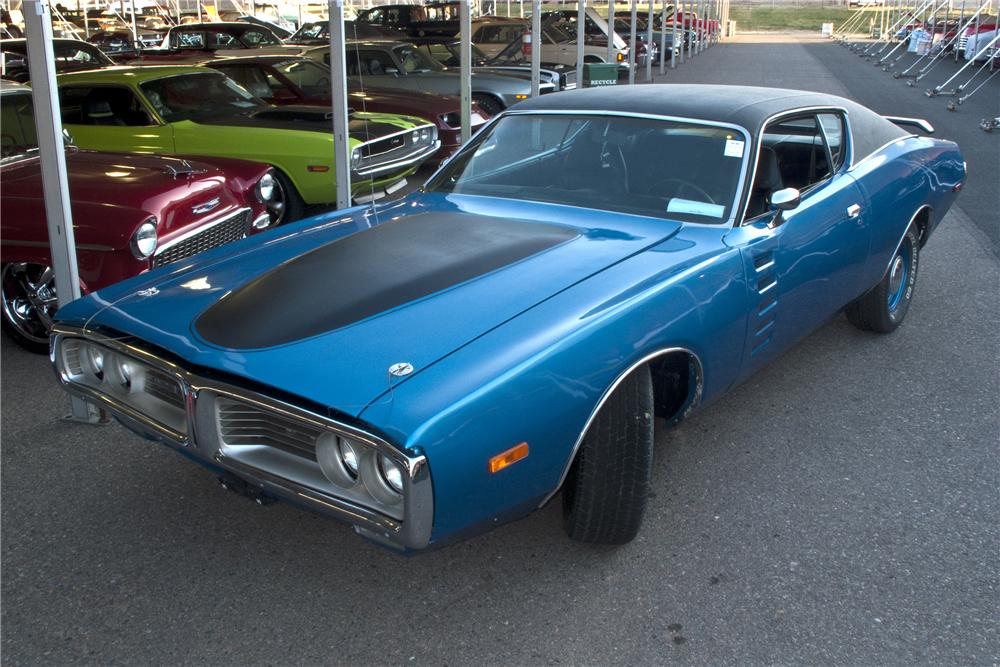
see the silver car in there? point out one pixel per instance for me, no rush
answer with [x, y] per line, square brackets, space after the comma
[391, 64]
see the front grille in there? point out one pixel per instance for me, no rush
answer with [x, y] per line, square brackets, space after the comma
[232, 228]
[393, 148]
[164, 388]
[242, 424]
[962, 41]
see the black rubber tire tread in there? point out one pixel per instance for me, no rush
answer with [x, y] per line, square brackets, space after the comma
[295, 208]
[488, 103]
[606, 490]
[870, 312]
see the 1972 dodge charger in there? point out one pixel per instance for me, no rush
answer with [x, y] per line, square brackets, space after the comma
[435, 366]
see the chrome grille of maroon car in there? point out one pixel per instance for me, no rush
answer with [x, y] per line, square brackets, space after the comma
[230, 228]
[244, 424]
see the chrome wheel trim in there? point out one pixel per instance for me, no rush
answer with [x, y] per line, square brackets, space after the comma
[898, 274]
[29, 299]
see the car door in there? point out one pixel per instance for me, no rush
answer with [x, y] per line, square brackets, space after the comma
[112, 118]
[802, 265]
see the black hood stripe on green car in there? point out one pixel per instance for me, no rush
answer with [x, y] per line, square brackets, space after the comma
[311, 119]
[368, 273]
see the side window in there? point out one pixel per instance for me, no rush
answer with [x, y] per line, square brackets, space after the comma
[833, 130]
[16, 118]
[375, 63]
[102, 105]
[792, 155]
[257, 38]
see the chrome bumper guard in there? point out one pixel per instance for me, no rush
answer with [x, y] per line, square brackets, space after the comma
[203, 442]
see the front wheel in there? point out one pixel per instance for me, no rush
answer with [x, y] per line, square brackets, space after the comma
[605, 492]
[29, 302]
[883, 308]
[285, 205]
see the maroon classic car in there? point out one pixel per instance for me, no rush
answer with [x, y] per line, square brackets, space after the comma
[131, 213]
[294, 80]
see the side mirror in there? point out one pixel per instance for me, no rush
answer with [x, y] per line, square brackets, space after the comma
[391, 70]
[785, 200]
[67, 138]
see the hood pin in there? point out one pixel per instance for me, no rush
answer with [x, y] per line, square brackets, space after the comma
[400, 369]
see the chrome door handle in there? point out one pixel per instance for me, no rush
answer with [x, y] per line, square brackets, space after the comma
[853, 211]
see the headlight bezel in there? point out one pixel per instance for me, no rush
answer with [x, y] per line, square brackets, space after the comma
[139, 241]
[267, 183]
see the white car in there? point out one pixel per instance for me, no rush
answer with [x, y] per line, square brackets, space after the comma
[979, 47]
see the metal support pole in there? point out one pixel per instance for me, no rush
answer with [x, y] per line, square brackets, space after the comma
[338, 94]
[649, 44]
[686, 40]
[631, 45]
[663, 41]
[611, 31]
[52, 160]
[135, 28]
[581, 38]
[676, 46]
[958, 34]
[465, 67]
[536, 45]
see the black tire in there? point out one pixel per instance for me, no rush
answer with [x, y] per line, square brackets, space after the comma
[605, 493]
[294, 207]
[23, 289]
[883, 307]
[488, 103]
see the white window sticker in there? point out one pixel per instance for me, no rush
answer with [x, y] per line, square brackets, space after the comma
[734, 148]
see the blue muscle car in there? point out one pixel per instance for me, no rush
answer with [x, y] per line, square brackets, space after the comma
[433, 367]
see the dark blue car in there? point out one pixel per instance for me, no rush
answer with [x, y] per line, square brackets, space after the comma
[432, 367]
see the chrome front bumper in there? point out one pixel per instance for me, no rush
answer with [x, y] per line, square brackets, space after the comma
[203, 443]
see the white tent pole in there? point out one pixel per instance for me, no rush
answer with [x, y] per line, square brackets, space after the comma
[649, 44]
[52, 160]
[631, 45]
[465, 67]
[536, 45]
[338, 94]
[581, 36]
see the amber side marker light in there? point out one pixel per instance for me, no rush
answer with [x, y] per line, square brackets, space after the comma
[318, 168]
[511, 456]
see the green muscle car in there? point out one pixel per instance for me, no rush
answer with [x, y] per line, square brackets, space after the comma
[199, 111]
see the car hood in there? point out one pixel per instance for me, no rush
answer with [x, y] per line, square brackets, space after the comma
[363, 126]
[324, 309]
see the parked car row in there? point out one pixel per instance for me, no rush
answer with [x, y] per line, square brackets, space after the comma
[155, 120]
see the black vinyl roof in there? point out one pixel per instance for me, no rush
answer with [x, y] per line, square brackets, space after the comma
[745, 106]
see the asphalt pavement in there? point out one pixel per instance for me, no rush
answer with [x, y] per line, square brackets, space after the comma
[838, 508]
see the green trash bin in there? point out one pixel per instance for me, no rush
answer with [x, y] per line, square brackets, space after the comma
[600, 74]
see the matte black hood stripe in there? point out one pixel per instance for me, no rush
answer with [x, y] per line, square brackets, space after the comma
[308, 119]
[368, 273]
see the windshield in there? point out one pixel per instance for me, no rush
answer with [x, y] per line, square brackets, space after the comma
[667, 169]
[413, 60]
[311, 78]
[196, 96]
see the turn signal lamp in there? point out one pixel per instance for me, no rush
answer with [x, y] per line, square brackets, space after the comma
[511, 456]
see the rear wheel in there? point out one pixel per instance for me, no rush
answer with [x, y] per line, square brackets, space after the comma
[29, 302]
[883, 308]
[605, 492]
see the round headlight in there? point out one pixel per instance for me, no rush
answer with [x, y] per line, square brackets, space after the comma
[349, 457]
[425, 135]
[124, 372]
[415, 136]
[391, 473]
[144, 240]
[356, 156]
[95, 361]
[265, 187]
